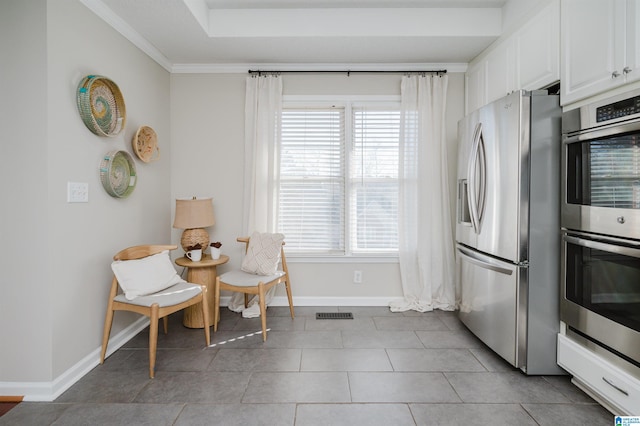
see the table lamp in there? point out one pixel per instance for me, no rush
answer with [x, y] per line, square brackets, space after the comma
[192, 215]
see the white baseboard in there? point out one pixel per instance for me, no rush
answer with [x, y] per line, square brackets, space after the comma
[327, 301]
[49, 391]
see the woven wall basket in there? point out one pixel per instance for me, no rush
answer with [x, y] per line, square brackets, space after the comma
[145, 144]
[101, 105]
[118, 174]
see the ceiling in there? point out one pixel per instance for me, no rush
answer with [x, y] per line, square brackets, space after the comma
[199, 35]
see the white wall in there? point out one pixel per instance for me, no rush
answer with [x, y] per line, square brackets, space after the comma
[514, 11]
[208, 132]
[25, 334]
[53, 313]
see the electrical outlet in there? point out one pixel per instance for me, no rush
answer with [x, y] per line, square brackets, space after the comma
[77, 192]
[357, 277]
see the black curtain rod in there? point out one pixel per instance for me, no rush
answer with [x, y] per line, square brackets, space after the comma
[348, 72]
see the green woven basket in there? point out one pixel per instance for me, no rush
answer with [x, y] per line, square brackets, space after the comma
[101, 105]
[118, 174]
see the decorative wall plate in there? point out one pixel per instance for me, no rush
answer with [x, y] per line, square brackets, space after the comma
[145, 144]
[118, 174]
[101, 105]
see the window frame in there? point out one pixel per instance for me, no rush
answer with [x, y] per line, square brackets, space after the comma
[347, 102]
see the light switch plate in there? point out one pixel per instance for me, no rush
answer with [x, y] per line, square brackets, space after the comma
[77, 192]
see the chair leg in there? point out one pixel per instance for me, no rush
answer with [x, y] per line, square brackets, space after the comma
[108, 322]
[205, 315]
[263, 311]
[165, 324]
[287, 286]
[153, 339]
[246, 300]
[216, 304]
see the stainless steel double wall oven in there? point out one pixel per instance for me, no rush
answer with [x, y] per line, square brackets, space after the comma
[600, 218]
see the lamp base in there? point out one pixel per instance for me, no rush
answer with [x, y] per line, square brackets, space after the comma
[191, 237]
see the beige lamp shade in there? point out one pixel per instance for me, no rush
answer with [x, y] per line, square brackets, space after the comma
[193, 214]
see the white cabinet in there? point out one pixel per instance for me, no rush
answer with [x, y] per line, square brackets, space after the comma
[475, 87]
[616, 389]
[526, 59]
[600, 46]
[536, 48]
[499, 72]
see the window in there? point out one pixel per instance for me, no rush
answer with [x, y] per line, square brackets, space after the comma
[337, 188]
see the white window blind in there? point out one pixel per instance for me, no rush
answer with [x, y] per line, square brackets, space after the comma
[312, 178]
[338, 181]
[374, 180]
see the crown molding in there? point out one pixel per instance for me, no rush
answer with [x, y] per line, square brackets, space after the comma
[118, 24]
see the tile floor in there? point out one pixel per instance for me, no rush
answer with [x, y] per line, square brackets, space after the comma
[380, 368]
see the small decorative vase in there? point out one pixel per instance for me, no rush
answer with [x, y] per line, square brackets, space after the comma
[215, 253]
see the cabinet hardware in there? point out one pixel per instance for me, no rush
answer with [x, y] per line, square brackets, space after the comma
[615, 74]
[615, 387]
[626, 70]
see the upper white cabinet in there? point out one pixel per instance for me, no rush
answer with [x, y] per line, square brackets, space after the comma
[475, 87]
[526, 59]
[537, 50]
[600, 46]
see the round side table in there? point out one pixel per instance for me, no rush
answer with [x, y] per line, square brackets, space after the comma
[203, 272]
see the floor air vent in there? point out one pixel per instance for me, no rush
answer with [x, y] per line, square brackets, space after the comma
[334, 315]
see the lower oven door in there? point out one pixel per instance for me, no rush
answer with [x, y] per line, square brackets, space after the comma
[601, 291]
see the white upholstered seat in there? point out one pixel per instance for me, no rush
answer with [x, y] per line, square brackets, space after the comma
[250, 283]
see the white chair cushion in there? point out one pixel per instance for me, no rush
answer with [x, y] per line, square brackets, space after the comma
[173, 295]
[144, 276]
[263, 253]
[245, 279]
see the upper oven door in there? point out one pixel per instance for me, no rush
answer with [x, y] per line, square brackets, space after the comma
[601, 179]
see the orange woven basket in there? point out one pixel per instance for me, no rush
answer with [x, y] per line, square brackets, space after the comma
[145, 144]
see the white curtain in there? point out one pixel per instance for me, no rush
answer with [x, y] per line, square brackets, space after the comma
[263, 107]
[426, 252]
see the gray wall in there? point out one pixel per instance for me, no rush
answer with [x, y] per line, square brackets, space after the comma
[208, 134]
[56, 255]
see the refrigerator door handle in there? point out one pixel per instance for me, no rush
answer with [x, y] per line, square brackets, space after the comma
[471, 178]
[477, 193]
[473, 258]
[482, 156]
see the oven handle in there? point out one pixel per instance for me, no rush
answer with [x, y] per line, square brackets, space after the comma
[625, 251]
[604, 131]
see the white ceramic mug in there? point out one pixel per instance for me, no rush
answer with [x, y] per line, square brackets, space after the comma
[194, 255]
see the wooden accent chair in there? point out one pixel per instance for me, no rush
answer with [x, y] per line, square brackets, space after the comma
[254, 284]
[165, 292]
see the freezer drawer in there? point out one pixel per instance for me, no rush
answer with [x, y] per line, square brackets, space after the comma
[489, 303]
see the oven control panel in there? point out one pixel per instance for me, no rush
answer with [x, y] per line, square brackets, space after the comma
[618, 109]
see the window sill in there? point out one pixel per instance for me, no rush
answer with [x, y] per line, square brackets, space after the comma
[292, 258]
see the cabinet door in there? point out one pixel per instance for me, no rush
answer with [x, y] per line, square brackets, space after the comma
[537, 50]
[631, 68]
[499, 77]
[475, 87]
[593, 33]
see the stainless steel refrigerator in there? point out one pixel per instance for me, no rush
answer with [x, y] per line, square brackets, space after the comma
[508, 230]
